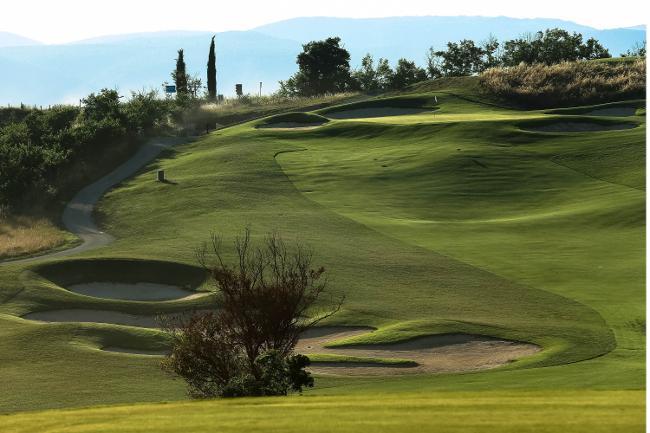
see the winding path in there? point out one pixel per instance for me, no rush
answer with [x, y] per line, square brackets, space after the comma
[78, 213]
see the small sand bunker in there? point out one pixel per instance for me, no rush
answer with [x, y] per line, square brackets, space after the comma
[444, 353]
[93, 316]
[133, 291]
[358, 113]
[579, 127]
[613, 111]
[290, 125]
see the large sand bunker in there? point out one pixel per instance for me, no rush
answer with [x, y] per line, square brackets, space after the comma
[359, 113]
[133, 291]
[445, 353]
[568, 126]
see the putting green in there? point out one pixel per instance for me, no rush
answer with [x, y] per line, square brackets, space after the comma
[457, 222]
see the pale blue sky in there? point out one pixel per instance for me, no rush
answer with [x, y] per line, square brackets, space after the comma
[68, 20]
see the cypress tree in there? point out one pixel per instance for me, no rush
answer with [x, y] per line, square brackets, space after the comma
[179, 75]
[212, 72]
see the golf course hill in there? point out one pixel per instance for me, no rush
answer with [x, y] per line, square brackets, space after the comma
[491, 257]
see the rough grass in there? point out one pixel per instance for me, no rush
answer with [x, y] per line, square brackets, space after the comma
[568, 83]
[25, 235]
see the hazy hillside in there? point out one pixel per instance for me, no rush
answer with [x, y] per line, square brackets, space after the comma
[47, 74]
[13, 40]
[411, 36]
[63, 73]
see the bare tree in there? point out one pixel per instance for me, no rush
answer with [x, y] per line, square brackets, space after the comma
[267, 298]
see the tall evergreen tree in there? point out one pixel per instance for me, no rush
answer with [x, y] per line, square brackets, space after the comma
[212, 72]
[180, 75]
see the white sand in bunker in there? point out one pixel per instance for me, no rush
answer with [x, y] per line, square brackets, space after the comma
[93, 316]
[445, 353]
[133, 291]
[357, 113]
[579, 127]
[290, 125]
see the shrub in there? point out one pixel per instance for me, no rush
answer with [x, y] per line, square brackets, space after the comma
[266, 300]
[568, 83]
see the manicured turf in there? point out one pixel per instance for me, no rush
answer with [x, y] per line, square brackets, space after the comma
[458, 221]
[550, 412]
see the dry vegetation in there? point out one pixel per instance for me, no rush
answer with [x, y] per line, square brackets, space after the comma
[249, 107]
[23, 235]
[568, 83]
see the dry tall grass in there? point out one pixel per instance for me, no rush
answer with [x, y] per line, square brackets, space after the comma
[22, 235]
[565, 84]
[235, 110]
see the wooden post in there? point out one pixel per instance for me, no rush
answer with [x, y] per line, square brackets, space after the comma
[161, 175]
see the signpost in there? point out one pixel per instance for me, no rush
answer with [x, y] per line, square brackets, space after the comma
[170, 89]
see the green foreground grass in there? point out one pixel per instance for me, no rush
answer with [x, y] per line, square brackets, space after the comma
[550, 412]
[458, 221]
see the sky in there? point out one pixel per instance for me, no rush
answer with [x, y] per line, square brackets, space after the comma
[64, 21]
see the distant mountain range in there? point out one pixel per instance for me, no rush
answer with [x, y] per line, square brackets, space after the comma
[39, 74]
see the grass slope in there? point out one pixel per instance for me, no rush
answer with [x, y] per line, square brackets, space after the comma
[458, 221]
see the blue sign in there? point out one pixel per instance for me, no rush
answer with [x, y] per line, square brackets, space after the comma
[170, 89]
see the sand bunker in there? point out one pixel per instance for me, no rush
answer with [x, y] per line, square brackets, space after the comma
[444, 353]
[579, 127]
[613, 111]
[357, 113]
[133, 291]
[96, 316]
[290, 125]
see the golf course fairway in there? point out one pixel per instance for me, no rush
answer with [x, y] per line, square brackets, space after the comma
[448, 217]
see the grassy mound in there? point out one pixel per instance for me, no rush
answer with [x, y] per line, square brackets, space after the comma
[70, 272]
[612, 109]
[382, 107]
[576, 124]
[289, 119]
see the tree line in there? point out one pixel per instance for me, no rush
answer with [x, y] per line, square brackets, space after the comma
[324, 66]
[40, 150]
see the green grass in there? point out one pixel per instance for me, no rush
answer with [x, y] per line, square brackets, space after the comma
[339, 359]
[549, 412]
[295, 117]
[458, 221]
